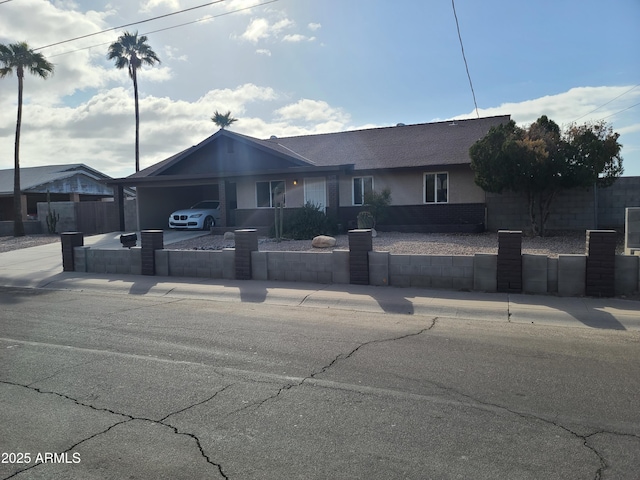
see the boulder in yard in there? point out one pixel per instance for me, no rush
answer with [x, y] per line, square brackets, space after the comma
[229, 236]
[323, 241]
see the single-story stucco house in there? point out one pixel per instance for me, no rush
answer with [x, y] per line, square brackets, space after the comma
[425, 166]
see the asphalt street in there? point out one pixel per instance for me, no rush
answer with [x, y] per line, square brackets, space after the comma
[112, 379]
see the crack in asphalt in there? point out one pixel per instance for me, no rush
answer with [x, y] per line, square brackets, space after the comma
[128, 418]
[338, 358]
[310, 294]
[585, 438]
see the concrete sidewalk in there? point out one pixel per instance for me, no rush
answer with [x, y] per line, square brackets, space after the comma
[41, 267]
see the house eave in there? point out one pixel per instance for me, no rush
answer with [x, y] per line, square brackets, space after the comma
[163, 180]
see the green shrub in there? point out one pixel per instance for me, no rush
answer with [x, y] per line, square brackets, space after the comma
[307, 222]
[378, 205]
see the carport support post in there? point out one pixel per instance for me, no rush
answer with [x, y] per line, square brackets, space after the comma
[509, 261]
[118, 191]
[151, 241]
[360, 244]
[69, 241]
[246, 242]
[601, 262]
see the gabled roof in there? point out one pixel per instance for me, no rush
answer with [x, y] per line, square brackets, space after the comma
[403, 146]
[425, 144]
[276, 150]
[35, 179]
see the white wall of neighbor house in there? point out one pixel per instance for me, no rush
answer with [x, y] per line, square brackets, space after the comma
[407, 187]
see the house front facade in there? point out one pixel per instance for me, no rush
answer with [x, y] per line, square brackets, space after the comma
[426, 167]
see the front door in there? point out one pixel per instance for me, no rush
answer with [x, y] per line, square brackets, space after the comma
[315, 192]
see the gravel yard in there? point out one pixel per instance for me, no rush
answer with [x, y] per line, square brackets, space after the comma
[15, 243]
[415, 243]
[401, 243]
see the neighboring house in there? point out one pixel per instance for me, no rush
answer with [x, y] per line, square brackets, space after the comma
[65, 183]
[426, 167]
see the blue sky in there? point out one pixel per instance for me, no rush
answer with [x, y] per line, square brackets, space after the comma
[312, 66]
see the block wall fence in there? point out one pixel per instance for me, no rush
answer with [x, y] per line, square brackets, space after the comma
[597, 273]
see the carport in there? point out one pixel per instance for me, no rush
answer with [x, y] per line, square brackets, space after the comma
[157, 199]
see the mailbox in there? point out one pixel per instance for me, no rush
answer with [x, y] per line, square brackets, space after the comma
[128, 240]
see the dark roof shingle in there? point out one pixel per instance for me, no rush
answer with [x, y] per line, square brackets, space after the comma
[441, 143]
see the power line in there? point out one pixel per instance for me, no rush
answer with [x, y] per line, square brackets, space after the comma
[170, 28]
[465, 58]
[130, 24]
[604, 104]
[5, 1]
[623, 110]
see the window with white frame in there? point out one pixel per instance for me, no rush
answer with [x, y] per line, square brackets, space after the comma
[436, 187]
[267, 193]
[361, 187]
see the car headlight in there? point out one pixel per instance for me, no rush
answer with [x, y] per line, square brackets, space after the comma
[195, 215]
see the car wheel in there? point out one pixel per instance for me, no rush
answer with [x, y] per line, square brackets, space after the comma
[208, 223]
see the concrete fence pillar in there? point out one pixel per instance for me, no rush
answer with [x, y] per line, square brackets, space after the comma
[601, 263]
[69, 241]
[246, 242]
[509, 273]
[150, 241]
[360, 244]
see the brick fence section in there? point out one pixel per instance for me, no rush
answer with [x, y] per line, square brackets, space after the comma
[69, 241]
[246, 242]
[360, 244]
[151, 240]
[509, 261]
[601, 261]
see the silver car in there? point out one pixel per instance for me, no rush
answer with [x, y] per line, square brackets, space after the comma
[202, 216]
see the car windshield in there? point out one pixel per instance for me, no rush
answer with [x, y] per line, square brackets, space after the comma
[208, 205]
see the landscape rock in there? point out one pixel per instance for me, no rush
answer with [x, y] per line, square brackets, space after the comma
[323, 241]
[228, 236]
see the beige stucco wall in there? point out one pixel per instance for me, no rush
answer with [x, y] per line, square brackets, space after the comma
[407, 186]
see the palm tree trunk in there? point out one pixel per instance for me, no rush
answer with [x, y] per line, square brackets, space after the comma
[18, 225]
[135, 94]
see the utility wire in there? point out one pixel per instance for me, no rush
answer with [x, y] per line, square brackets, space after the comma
[5, 1]
[465, 58]
[623, 110]
[604, 104]
[130, 24]
[170, 28]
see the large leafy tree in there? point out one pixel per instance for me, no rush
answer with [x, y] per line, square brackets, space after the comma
[20, 58]
[131, 51]
[542, 160]
[223, 120]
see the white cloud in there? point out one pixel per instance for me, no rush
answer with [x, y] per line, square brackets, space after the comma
[100, 131]
[151, 4]
[260, 28]
[576, 104]
[294, 38]
[242, 5]
[314, 26]
[312, 111]
[580, 105]
[264, 51]
[173, 54]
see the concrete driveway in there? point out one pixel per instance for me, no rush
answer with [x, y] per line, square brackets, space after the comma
[112, 240]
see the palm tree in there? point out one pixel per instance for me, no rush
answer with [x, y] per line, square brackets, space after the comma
[131, 52]
[223, 120]
[20, 57]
